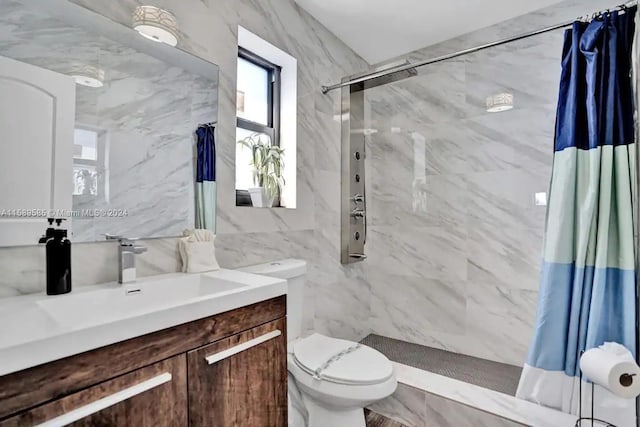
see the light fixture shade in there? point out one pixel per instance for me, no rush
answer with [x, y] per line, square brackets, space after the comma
[364, 131]
[156, 24]
[499, 102]
[88, 75]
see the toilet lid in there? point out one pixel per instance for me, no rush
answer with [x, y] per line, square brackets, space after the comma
[341, 361]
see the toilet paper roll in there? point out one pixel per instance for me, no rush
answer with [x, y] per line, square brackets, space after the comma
[615, 371]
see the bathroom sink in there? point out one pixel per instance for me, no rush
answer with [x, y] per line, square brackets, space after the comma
[103, 304]
[36, 329]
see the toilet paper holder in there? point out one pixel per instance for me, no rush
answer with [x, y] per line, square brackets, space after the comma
[624, 377]
[591, 418]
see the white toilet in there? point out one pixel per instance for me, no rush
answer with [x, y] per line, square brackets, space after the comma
[330, 380]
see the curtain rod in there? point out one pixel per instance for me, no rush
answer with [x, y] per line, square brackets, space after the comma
[405, 67]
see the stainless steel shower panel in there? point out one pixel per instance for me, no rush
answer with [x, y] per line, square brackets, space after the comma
[353, 192]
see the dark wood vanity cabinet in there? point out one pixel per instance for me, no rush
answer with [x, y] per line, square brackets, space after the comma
[241, 380]
[226, 370]
[155, 395]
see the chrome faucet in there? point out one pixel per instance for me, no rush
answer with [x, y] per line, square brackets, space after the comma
[127, 252]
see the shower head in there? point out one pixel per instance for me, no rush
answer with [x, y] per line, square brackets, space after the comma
[387, 78]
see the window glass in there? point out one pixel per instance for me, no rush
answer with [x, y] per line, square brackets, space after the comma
[253, 92]
[85, 144]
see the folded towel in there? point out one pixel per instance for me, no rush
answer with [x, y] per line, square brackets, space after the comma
[197, 251]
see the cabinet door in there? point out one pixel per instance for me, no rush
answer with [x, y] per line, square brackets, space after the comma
[240, 380]
[154, 396]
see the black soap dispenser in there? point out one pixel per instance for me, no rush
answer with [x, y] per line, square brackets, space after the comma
[49, 234]
[58, 249]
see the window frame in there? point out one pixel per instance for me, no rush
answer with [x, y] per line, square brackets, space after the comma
[272, 128]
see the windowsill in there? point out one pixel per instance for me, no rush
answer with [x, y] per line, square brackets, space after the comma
[254, 207]
[243, 199]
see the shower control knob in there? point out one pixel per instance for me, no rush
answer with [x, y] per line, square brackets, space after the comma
[358, 213]
[358, 198]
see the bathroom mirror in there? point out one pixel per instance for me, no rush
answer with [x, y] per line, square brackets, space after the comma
[97, 126]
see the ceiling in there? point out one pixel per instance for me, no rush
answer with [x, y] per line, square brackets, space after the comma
[381, 29]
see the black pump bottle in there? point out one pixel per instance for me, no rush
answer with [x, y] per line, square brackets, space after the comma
[58, 249]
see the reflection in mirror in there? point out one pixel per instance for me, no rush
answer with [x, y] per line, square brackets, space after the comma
[206, 177]
[98, 124]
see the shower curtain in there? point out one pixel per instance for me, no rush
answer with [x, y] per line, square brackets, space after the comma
[587, 289]
[206, 178]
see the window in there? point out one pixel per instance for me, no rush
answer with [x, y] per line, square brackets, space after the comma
[257, 111]
[265, 69]
[90, 172]
[85, 161]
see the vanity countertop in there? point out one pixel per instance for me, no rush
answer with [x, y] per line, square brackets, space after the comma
[36, 329]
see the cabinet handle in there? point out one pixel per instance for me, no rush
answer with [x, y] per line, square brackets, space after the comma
[216, 357]
[105, 402]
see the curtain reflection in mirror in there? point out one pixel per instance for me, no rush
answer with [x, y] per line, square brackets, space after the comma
[206, 177]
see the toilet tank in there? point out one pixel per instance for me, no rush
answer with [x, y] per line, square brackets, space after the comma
[295, 272]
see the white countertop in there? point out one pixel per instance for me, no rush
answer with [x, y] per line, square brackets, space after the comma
[36, 329]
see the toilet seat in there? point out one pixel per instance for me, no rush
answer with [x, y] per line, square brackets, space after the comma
[341, 361]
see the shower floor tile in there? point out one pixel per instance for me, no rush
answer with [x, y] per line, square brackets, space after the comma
[500, 377]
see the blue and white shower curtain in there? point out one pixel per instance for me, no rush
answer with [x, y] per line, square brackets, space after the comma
[206, 178]
[587, 289]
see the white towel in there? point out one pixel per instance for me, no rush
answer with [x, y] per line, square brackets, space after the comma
[197, 251]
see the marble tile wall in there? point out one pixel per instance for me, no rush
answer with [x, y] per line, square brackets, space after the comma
[454, 237]
[208, 29]
[416, 408]
[425, 399]
[441, 412]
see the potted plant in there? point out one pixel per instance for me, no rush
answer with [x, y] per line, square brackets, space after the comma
[268, 164]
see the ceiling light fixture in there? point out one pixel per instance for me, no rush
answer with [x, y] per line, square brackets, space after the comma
[156, 24]
[89, 76]
[499, 102]
[365, 131]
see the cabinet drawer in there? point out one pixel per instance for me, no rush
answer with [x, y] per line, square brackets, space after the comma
[153, 396]
[240, 380]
